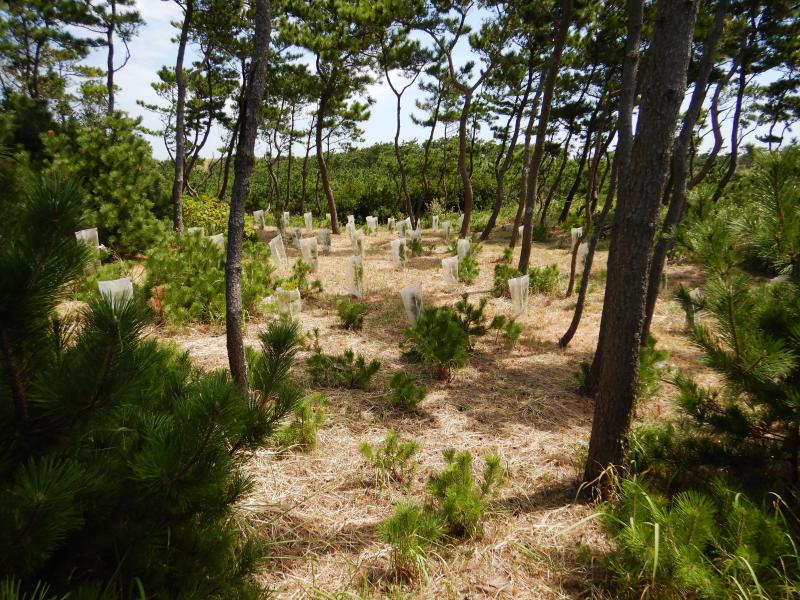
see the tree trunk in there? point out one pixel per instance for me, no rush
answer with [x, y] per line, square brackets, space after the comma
[243, 168]
[581, 165]
[112, 25]
[323, 167]
[680, 166]
[400, 166]
[642, 186]
[462, 164]
[305, 169]
[502, 168]
[532, 185]
[180, 107]
[289, 163]
[426, 184]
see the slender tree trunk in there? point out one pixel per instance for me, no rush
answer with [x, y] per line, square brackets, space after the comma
[581, 165]
[426, 154]
[502, 168]
[680, 166]
[180, 107]
[532, 185]
[112, 25]
[643, 180]
[289, 163]
[226, 168]
[462, 163]
[323, 167]
[305, 170]
[400, 166]
[587, 269]
[523, 179]
[559, 175]
[243, 168]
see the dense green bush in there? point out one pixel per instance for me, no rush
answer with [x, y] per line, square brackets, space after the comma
[438, 339]
[340, 370]
[392, 459]
[405, 392]
[351, 313]
[411, 531]
[120, 462]
[543, 280]
[212, 214]
[301, 432]
[186, 279]
[124, 193]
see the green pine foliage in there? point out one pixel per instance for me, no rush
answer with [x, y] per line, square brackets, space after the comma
[414, 246]
[340, 370]
[472, 317]
[120, 462]
[715, 544]
[502, 273]
[299, 280]
[438, 340]
[186, 279]
[301, 432]
[458, 498]
[652, 364]
[392, 459]
[351, 313]
[544, 280]
[411, 531]
[211, 213]
[405, 393]
[124, 193]
[508, 328]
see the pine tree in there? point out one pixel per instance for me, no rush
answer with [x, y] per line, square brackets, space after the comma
[120, 462]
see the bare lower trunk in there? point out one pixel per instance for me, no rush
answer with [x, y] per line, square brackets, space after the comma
[642, 182]
[532, 185]
[462, 164]
[112, 24]
[180, 108]
[243, 168]
[323, 167]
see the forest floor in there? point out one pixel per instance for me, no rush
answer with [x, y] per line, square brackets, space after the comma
[319, 511]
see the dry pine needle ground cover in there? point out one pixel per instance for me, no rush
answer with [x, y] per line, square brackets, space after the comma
[319, 511]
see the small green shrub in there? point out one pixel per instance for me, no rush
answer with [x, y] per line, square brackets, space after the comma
[299, 280]
[544, 280]
[541, 233]
[414, 245]
[186, 279]
[301, 433]
[468, 268]
[405, 393]
[343, 370]
[212, 213]
[471, 317]
[351, 313]
[502, 273]
[508, 328]
[437, 340]
[411, 531]
[85, 288]
[508, 255]
[392, 459]
[698, 545]
[460, 500]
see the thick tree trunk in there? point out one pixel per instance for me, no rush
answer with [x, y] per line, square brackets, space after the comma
[642, 182]
[323, 167]
[532, 185]
[680, 166]
[462, 164]
[112, 25]
[243, 168]
[180, 108]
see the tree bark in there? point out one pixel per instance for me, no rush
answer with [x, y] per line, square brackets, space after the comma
[462, 164]
[289, 161]
[243, 168]
[323, 167]
[180, 107]
[426, 154]
[532, 184]
[680, 166]
[304, 170]
[112, 24]
[642, 182]
[581, 165]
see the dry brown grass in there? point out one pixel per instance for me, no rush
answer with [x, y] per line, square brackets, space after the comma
[320, 511]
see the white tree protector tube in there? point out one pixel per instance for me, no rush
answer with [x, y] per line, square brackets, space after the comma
[460, 221]
[575, 234]
[583, 250]
[88, 237]
[258, 215]
[361, 244]
[285, 219]
[450, 271]
[308, 219]
[372, 225]
[412, 302]
[308, 248]
[462, 247]
[201, 231]
[351, 220]
[521, 231]
[401, 228]
[288, 302]
[416, 234]
[116, 290]
[390, 223]
[218, 240]
[399, 253]
[277, 250]
[435, 222]
[324, 240]
[519, 286]
[296, 234]
[355, 276]
[446, 229]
